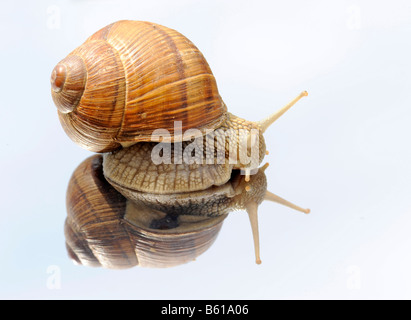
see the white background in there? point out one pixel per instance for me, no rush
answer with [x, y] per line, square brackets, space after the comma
[343, 151]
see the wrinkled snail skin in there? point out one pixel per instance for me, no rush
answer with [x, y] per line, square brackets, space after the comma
[114, 93]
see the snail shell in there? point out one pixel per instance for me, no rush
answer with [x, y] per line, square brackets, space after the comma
[129, 79]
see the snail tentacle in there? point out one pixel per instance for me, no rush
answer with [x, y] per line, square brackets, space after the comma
[265, 123]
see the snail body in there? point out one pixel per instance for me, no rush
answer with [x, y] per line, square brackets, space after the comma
[213, 199]
[133, 78]
[135, 89]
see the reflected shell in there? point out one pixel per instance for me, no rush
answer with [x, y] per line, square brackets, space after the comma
[103, 228]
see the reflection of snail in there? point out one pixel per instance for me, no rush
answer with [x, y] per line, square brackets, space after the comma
[128, 81]
[105, 229]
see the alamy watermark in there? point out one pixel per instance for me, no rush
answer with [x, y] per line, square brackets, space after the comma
[53, 17]
[237, 146]
[354, 21]
[353, 277]
[54, 279]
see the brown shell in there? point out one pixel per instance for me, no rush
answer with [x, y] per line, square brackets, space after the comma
[139, 77]
[105, 229]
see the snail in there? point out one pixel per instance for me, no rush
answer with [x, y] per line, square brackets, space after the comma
[142, 95]
[103, 228]
[132, 78]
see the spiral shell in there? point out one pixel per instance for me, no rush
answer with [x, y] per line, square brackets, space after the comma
[131, 78]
